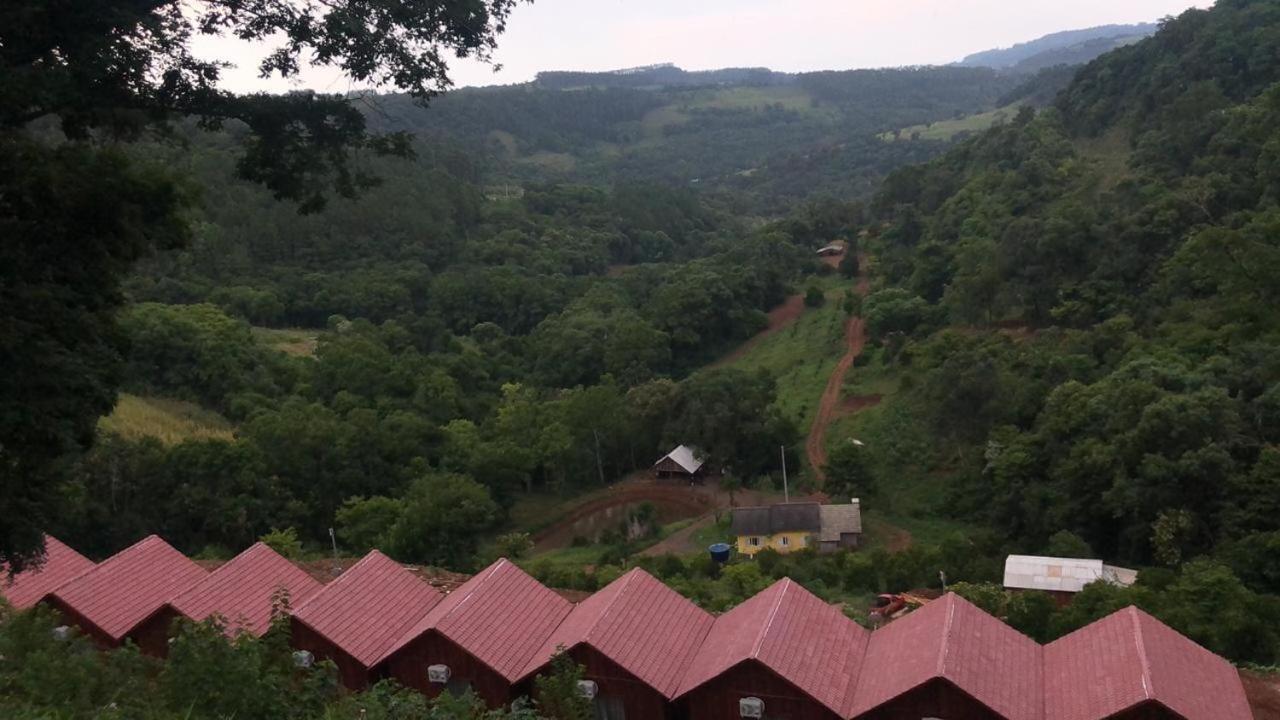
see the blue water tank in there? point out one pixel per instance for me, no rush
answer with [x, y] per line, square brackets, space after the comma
[720, 552]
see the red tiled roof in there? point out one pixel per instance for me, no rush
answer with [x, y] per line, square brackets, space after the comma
[797, 635]
[642, 625]
[954, 640]
[61, 564]
[501, 617]
[241, 591]
[130, 586]
[1128, 658]
[367, 607]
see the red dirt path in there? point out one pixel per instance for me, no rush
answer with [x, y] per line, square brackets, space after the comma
[1264, 694]
[855, 333]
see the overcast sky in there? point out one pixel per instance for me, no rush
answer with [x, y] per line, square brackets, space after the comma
[789, 35]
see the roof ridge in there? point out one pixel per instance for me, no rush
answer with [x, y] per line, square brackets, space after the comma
[1148, 680]
[482, 578]
[947, 627]
[630, 577]
[768, 623]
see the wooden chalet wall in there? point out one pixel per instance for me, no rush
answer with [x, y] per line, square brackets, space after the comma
[351, 672]
[1148, 711]
[936, 698]
[152, 635]
[81, 623]
[639, 700]
[718, 698]
[409, 667]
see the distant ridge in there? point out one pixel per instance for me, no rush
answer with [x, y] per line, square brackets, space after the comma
[1071, 47]
[661, 75]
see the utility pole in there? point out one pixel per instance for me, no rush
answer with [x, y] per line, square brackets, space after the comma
[786, 490]
[599, 463]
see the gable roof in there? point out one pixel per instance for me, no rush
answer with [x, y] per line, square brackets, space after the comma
[954, 640]
[644, 626]
[130, 586]
[840, 520]
[1129, 658]
[61, 564]
[686, 457]
[368, 607]
[795, 634]
[783, 517]
[1035, 572]
[501, 616]
[241, 591]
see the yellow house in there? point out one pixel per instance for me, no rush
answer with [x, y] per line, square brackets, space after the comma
[785, 527]
[795, 526]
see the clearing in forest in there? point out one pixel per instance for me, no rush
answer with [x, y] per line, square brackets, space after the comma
[169, 421]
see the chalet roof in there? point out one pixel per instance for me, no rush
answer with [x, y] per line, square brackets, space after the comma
[61, 564]
[1129, 658]
[130, 586]
[686, 457]
[1034, 572]
[953, 640]
[837, 520]
[242, 590]
[639, 623]
[783, 517]
[368, 607]
[501, 617]
[795, 634]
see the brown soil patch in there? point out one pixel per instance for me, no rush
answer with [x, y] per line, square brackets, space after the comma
[855, 332]
[896, 539]
[672, 502]
[858, 403]
[779, 318]
[1263, 692]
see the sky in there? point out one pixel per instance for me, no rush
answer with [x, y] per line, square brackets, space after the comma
[786, 35]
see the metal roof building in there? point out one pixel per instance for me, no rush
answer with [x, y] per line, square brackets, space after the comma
[950, 659]
[635, 638]
[1130, 666]
[771, 519]
[784, 649]
[484, 633]
[243, 590]
[683, 462]
[28, 587]
[356, 619]
[113, 601]
[1061, 575]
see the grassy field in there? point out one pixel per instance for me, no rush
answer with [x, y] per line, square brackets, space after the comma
[170, 421]
[299, 342]
[948, 129]
[803, 356]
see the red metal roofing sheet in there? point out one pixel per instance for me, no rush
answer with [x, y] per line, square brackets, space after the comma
[642, 625]
[952, 639]
[367, 607]
[501, 616]
[130, 586]
[241, 591]
[1128, 658]
[797, 635]
[61, 564]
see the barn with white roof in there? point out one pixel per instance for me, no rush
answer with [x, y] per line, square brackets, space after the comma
[1062, 576]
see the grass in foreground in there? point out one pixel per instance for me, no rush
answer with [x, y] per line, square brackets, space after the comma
[169, 421]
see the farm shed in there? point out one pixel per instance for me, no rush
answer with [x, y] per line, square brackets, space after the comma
[683, 463]
[357, 618]
[28, 587]
[634, 637]
[1061, 577]
[243, 591]
[1130, 666]
[950, 659]
[784, 649]
[841, 527]
[114, 601]
[480, 636]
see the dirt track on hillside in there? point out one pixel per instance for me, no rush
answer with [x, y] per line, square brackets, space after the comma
[672, 502]
[855, 333]
[1264, 694]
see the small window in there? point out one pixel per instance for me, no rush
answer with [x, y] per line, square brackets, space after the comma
[754, 542]
[785, 541]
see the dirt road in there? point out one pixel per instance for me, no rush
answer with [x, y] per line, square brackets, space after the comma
[855, 333]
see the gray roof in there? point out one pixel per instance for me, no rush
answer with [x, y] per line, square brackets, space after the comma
[840, 520]
[1034, 572]
[770, 519]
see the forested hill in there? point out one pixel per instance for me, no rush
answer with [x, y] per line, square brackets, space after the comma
[1081, 306]
[766, 138]
[1072, 47]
